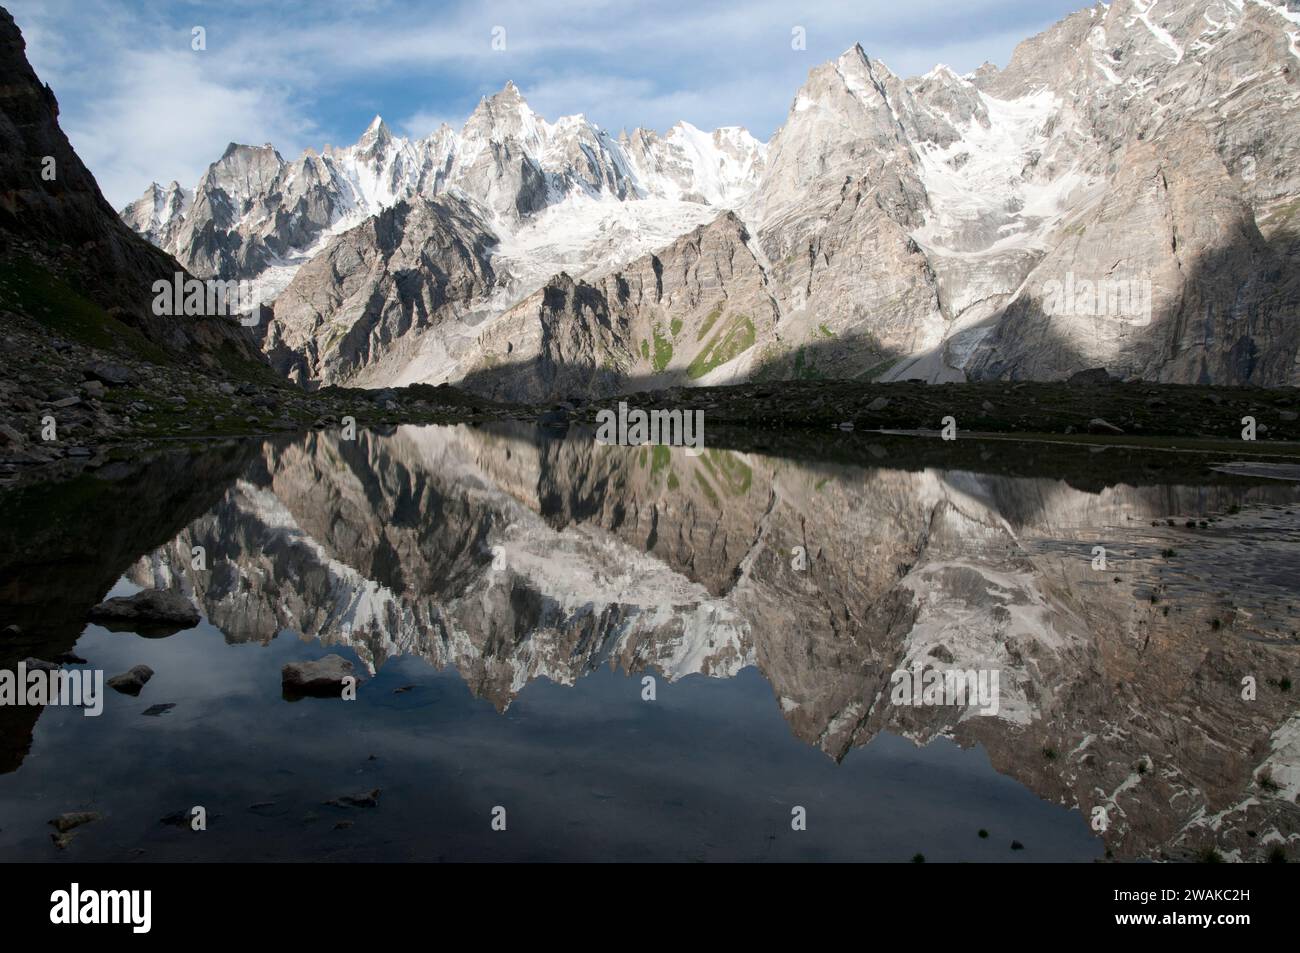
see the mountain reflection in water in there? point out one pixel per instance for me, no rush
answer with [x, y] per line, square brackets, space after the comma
[770, 597]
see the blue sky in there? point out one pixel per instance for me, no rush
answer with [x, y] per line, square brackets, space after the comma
[140, 104]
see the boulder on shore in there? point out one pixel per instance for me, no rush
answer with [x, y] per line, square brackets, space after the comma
[114, 375]
[1092, 376]
[1097, 425]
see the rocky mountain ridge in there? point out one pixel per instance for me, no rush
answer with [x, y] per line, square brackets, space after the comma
[1141, 154]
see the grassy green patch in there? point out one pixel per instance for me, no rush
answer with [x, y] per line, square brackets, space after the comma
[645, 350]
[675, 326]
[663, 351]
[30, 289]
[824, 331]
[734, 337]
[728, 469]
[709, 321]
[711, 493]
[660, 457]
[805, 371]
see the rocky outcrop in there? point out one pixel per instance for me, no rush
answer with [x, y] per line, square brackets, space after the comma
[158, 214]
[383, 294]
[1202, 298]
[699, 310]
[131, 682]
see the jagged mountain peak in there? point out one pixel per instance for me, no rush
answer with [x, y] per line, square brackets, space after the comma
[245, 149]
[377, 133]
[854, 54]
[505, 104]
[946, 75]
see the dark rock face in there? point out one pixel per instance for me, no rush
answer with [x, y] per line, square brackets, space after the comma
[65, 221]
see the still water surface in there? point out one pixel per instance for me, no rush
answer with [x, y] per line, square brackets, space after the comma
[506, 593]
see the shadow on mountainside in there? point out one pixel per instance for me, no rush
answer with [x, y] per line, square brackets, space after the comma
[1236, 322]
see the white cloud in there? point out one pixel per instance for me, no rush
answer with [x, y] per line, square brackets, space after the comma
[161, 118]
[139, 105]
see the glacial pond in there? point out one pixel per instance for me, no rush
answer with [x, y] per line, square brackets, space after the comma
[572, 651]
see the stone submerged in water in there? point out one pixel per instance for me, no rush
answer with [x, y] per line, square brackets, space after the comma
[67, 821]
[323, 678]
[130, 683]
[151, 608]
[364, 799]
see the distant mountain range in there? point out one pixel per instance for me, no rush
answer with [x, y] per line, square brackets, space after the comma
[1126, 194]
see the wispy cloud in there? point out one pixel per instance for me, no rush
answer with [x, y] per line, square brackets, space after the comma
[140, 105]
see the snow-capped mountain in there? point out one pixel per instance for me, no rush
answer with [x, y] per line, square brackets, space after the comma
[255, 215]
[157, 215]
[1124, 194]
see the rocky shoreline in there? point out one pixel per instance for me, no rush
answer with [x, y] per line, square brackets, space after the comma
[70, 401]
[1089, 405]
[104, 406]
